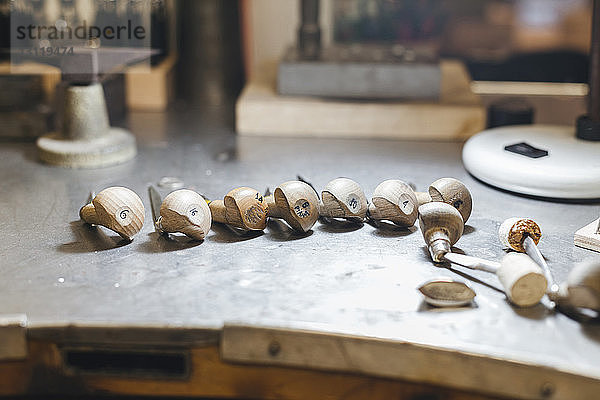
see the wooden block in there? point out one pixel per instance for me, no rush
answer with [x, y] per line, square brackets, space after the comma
[587, 237]
[151, 90]
[456, 116]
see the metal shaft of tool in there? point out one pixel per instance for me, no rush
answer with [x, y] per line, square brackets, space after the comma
[472, 262]
[534, 252]
[155, 203]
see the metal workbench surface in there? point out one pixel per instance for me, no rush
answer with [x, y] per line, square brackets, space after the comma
[337, 278]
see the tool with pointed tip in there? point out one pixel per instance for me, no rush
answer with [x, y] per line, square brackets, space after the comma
[155, 203]
[295, 202]
[522, 279]
[447, 293]
[395, 201]
[343, 198]
[90, 197]
[183, 211]
[442, 225]
[450, 191]
[523, 235]
[116, 208]
[243, 208]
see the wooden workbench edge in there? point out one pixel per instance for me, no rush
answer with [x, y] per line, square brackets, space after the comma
[402, 360]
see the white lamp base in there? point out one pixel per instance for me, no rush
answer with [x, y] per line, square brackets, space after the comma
[571, 170]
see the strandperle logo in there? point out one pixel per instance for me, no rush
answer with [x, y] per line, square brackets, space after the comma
[51, 31]
[62, 31]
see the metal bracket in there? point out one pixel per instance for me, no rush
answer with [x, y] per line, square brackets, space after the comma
[13, 340]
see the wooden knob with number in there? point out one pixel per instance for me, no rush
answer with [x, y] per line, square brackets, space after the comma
[450, 191]
[187, 212]
[296, 203]
[116, 208]
[343, 198]
[394, 200]
[441, 226]
[243, 208]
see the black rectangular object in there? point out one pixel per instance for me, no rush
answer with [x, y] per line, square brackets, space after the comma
[127, 362]
[526, 150]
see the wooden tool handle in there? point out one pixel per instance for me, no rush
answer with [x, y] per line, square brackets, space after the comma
[218, 211]
[523, 280]
[513, 231]
[274, 211]
[454, 192]
[423, 198]
[343, 198]
[88, 214]
[373, 212]
[396, 202]
[187, 212]
[332, 208]
[118, 209]
[441, 226]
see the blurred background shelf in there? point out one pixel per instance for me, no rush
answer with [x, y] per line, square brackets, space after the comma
[458, 114]
[151, 90]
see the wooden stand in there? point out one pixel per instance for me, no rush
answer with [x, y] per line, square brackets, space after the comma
[457, 115]
[587, 237]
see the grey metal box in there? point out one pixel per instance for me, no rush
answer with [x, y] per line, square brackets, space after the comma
[362, 72]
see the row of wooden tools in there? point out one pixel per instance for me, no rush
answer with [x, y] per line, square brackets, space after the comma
[442, 213]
